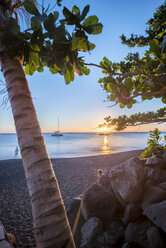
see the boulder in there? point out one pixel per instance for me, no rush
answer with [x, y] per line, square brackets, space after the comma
[76, 220]
[99, 202]
[162, 186]
[157, 214]
[136, 233]
[155, 175]
[131, 213]
[113, 233]
[154, 238]
[105, 181]
[90, 230]
[72, 209]
[2, 233]
[164, 156]
[131, 245]
[127, 181]
[5, 244]
[154, 160]
[152, 194]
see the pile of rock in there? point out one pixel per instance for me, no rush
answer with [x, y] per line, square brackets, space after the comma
[125, 209]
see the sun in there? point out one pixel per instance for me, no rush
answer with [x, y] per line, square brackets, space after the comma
[105, 128]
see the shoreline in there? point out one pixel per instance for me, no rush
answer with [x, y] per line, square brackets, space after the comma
[74, 175]
[81, 157]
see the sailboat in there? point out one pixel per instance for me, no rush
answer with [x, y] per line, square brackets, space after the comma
[57, 133]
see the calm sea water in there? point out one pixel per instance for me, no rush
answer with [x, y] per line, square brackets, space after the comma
[79, 144]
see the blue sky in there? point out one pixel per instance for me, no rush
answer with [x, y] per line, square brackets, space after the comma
[80, 106]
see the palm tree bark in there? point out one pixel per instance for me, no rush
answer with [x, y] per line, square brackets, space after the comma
[51, 225]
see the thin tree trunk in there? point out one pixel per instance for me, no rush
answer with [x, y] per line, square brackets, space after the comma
[49, 216]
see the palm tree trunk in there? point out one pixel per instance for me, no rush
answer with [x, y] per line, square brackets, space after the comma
[51, 225]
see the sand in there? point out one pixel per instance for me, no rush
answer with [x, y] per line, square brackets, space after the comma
[74, 176]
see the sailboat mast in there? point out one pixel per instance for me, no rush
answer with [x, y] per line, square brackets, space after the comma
[58, 124]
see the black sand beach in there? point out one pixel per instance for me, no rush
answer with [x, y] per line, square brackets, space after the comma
[74, 176]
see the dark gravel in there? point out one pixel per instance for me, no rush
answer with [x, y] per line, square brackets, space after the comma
[74, 176]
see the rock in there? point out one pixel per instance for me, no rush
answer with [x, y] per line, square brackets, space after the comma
[99, 242]
[5, 244]
[105, 181]
[157, 214]
[164, 156]
[154, 238]
[113, 233]
[99, 202]
[162, 186]
[72, 209]
[131, 245]
[155, 175]
[152, 194]
[90, 230]
[76, 220]
[131, 213]
[154, 160]
[2, 233]
[127, 181]
[136, 233]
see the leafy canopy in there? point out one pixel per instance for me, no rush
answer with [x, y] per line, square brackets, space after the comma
[137, 119]
[47, 41]
[137, 76]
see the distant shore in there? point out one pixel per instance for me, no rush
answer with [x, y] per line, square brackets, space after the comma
[74, 176]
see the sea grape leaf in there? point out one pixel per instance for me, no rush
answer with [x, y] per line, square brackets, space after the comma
[76, 10]
[85, 12]
[34, 58]
[69, 74]
[94, 29]
[91, 20]
[30, 7]
[155, 48]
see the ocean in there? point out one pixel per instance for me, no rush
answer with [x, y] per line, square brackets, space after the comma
[79, 144]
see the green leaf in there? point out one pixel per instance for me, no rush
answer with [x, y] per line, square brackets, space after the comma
[121, 105]
[49, 24]
[69, 74]
[71, 19]
[40, 68]
[85, 70]
[155, 48]
[75, 42]
[94, 29]
[56, 15]
[164, 99]
[30, 6]
[29, 70]
[85, 12]
[107, 63]
[112, 98]
[76, 10]
[129, 105]
[34, 58]
[35, 47]
[85, 46]
[111, 88]
[91, 20]
[129, 85]
[55, 69]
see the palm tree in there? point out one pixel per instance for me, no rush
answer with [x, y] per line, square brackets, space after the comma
[44, 44]
[51, 225]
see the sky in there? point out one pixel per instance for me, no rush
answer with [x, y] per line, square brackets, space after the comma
[80, 105]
